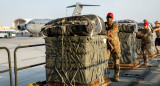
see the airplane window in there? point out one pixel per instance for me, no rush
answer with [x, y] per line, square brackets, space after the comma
[31, 22]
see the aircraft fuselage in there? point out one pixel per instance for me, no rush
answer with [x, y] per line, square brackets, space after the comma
[35, 25]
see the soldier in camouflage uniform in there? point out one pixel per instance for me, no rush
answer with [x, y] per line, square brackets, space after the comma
[157, 30]
[146, 37]
[113, 45]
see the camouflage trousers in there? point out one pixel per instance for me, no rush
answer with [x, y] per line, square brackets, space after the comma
[116, 55]
[145, 51]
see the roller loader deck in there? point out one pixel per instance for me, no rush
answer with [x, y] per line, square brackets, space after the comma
[141, 76]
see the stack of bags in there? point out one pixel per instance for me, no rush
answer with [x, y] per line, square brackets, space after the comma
[75, 53]
[86, 25]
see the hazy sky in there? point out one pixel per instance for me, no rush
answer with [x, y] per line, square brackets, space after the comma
[122, 9]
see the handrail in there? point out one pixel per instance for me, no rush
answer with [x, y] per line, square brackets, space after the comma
[26, 67]
[10, 66]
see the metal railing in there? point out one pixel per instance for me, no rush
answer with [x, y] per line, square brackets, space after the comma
[10, 66]
[26, 67]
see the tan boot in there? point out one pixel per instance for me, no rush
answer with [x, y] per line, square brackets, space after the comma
[115, 78]
[146, 64]
[146, 60]
[116, 70]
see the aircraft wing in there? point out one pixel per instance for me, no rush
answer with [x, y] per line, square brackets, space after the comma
[81, 5]
[88, 5]
[71, 6]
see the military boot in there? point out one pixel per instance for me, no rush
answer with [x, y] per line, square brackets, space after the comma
[116, 70]
[115, 78]
[146, 64]
[146, 61]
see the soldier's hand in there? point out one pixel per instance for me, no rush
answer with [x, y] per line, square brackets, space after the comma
[137, 32]
[109, 38]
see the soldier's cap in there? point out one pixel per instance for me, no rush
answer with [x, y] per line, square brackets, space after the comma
[146, 24]
[110, 15]
[157, 22]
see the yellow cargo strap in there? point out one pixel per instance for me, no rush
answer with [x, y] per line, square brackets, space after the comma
[36, 84]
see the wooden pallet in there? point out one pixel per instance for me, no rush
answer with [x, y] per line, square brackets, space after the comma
[127, 66]
[104, 82]
[150, 55]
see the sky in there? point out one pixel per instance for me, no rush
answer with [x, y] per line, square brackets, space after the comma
[137, 10]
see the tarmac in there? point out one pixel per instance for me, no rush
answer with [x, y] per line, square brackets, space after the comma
[25, 57]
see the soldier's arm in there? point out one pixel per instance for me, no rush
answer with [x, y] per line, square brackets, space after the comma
[151, 27]
[114, 30]
[139, 34]
[156, 29]
[148, 33]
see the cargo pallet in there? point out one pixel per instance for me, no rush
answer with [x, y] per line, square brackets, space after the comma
[103, 82]
[134, 65]
[149, 56]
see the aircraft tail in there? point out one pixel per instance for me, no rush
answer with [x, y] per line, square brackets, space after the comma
[78, 8]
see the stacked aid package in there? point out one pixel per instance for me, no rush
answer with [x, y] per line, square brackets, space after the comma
[76, 51]
[127, 29]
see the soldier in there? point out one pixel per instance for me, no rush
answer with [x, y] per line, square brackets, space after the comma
[157, 30]
[146, 37]
[113, 45]
[150, 27]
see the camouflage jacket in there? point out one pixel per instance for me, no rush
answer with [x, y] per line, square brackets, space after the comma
[146, 36]
[157, 32]
[112, 31]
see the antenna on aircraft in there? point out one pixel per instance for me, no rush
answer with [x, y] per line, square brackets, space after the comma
[78, 8]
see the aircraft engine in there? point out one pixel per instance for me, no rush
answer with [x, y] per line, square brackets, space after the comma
[21, 27]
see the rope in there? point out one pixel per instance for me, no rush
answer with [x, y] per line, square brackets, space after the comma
[65, 72]
[75, 75]
[61, 76]
[100, 23]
